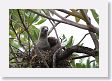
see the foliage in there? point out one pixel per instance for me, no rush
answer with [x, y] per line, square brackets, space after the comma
[24, 31]
[95, 15]
[70, 42]
[87, 64]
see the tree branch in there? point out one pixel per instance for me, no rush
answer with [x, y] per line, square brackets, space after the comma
[54, 30]
[67, 19]
[55, 25]
[55, 56]
[26, 29]
[16, 48]
[17, 35]
[79, 57]
[78, 49]
[82, 38]
[36, 49]
[76, 14]
[93, 36]
[14, 56]
[95, 30]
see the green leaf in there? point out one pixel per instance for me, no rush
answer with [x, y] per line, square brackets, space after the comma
[83, 65]
[88, 63]
[73, 64]
[97, 59]
[12, 34]
[94, 65]
[34, 32]
[95, 15]
[77, 19]
[15, 15]
[70, 42]
[31, 17]
[23, 40]
[64, 39]
[41, 21]
[78, 65]
[15, 44]
[35, 18]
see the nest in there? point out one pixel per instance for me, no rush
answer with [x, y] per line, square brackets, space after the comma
[37, 60]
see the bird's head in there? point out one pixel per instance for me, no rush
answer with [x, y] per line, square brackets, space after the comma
[44, 31]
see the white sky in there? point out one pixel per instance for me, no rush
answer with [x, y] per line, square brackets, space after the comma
[69, 30]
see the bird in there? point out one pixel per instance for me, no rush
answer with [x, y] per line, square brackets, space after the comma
[47, 46]
[42, 43]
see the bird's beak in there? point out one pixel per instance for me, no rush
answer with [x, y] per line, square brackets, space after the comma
[45, 29]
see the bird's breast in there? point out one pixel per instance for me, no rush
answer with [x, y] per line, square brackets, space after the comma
[43, 44]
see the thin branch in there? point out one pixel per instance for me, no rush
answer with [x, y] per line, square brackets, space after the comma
[55, 31]
[54, 56]
[95, 30]
[53, 28]
[55, 25]
[17, 35]
[14, 56]
[15, 22]
[20, 53]
[76, 14]
[79, 57]
[78, 49]
[16, 48]
[93, 36]
[29, 45]
[88, 21]
[82, 38]
[26, 29]
[96, 42]
[92, 61]
[37, 50]
[91, 27]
